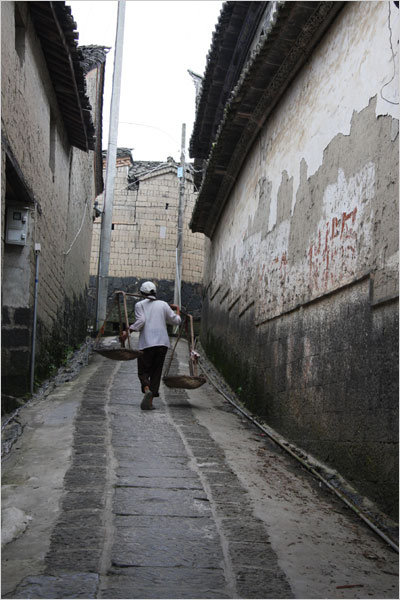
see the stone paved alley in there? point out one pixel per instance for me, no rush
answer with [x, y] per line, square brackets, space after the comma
[103, 500]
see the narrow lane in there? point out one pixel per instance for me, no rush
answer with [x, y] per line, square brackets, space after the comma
[186, 501]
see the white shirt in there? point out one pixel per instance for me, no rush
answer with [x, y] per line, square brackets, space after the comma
[152, 317]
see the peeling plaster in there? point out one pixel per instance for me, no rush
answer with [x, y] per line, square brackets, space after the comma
[336, 250]
[351, 64]
[343, 224]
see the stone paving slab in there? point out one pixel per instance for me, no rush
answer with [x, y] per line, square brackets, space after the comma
[155, 446]
[233, 510]
[87, 429]
[152, 436]
[146, 464]
[251, 554]
[83, 499]
[68, 585]
[68, 536]
[146, 452]
[65, 559]
[166, 583]
[90, 439]
[141, 429]
[89, 517]
[256, 583]
[85, 476]
[143, 469]
[174, 483]
[203, 527]
[245, 530]
[162, 551]
[160, 501]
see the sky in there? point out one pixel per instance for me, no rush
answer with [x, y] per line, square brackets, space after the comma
[162, 40]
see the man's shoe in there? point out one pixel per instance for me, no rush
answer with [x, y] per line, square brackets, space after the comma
[146, 402]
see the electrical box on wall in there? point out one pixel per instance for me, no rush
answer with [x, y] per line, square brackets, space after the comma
[17, 225]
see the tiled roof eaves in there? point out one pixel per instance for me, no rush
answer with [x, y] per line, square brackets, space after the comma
[121, 153]
[223, 47]
[57, 33]
[163, 169]
[92, 56]
[261, 84]
[211, 60]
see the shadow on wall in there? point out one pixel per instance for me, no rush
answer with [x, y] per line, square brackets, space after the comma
[52, 346]
[325, 377]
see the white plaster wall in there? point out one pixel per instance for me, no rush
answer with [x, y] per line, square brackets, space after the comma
[348, 68]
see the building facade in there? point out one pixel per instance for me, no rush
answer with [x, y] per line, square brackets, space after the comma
[299, 141]
[144, 233]
[51, 173]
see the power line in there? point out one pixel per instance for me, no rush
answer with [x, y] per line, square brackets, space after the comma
[145, 125]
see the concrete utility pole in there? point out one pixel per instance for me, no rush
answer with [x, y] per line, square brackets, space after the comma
[181, 208]
[106, 221]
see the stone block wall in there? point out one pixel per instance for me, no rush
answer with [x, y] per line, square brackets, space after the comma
[58, 188]
[144, 236]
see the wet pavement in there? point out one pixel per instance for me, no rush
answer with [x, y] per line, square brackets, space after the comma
[167, 504]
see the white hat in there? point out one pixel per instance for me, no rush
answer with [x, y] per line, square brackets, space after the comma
[148, 288]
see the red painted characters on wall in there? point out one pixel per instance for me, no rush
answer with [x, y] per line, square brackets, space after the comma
[331, 258]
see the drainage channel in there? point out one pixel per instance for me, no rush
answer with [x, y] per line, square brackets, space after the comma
[304, 463]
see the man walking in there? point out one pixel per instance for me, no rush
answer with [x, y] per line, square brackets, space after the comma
[151, 318]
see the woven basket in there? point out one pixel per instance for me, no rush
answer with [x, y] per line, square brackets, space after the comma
[185, 382]
[119, 353]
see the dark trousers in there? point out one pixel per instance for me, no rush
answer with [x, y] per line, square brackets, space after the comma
[150, 366]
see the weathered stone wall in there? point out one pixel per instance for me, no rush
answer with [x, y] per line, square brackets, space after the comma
[144, 237]
[61, 183]
[78, 241]
[302, 271]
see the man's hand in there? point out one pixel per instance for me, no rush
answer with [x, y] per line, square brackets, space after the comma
[175, 307]
[123, 337]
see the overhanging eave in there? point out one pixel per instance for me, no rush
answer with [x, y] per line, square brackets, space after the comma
[296, 28]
